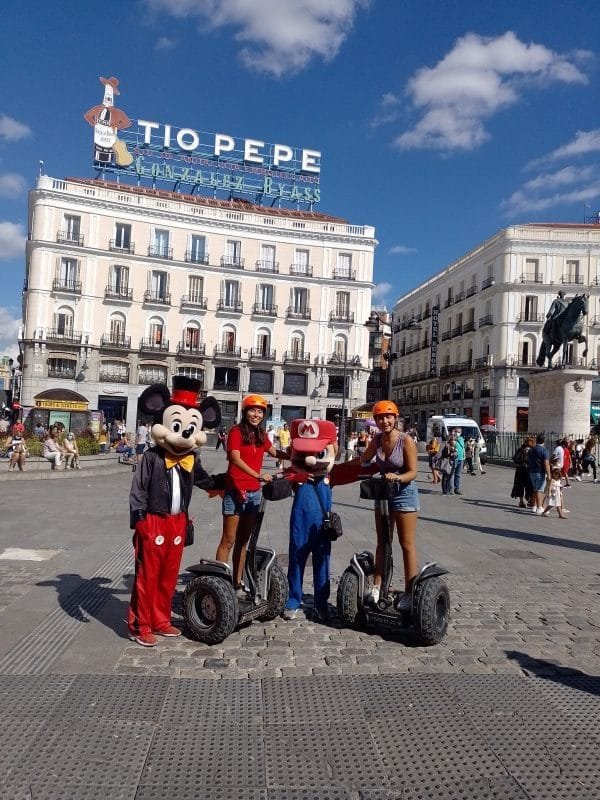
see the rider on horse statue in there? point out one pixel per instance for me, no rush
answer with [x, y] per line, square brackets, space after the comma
[558, 305]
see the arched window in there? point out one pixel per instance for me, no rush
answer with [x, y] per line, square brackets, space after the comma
[340, 348]
[297, 345]
[63, 321]
[116, 327]
[262, 342]
[156, 330]
[192, 336]
[228, 338]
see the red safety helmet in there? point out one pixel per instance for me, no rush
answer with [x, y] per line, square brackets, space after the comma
[385, 407]
[254, 401]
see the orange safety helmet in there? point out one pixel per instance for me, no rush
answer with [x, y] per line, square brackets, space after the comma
[385, 407]
[254, 401]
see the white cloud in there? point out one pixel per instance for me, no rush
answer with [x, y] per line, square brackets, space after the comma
[9, 327]
[278, 37]
[11, 130]
[478, 78]
[389, 109]
[585, 142]
[568, 186]
[12, 184]
[402, 250]
[381, 291]
[12, 240]
[164, 43]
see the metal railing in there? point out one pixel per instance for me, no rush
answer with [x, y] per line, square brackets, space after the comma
[236, 262]
[258, 354]
[344, 274]
[122, 248]
[151, 344]
[298, 313]
[163, 299]
[64, 374]
[527, 317]
[196, 258]
[119, 342]
[191, 349]
[576, 280]
[235, 306]
[72, 337]
[471, 291]
[531, 277]
[263, 310]
[267, 266]
[341, 316]
[194, 301]
[487, 282]
[301, 269]
[118, 292]
[113, 377]
[299, 357]
[222, 351]
[67, 237]
[487, 320]
[63, 285]
[159, 251]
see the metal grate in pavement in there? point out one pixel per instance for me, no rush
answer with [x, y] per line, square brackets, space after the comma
[48, 640]
[310, 699]
[197, 701]
[22, 698]
[128, 698]
[193, 791]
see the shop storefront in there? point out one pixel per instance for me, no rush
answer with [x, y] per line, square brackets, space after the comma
[59, 406]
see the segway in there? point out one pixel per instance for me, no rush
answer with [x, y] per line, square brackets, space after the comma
[430, 610]
[211, 610]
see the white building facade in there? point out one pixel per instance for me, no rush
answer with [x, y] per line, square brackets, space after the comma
[486, 312]
[127, 286]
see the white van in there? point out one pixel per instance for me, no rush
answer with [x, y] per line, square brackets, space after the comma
[441, 426]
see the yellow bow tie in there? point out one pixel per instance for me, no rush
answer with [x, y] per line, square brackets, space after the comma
[187, 462]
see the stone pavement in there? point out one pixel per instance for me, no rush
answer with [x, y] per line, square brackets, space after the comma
[506, 707]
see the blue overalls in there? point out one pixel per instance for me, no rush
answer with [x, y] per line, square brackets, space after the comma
[305, 538]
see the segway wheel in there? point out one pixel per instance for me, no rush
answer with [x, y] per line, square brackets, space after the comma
[347, 597]
[431, 605]
[278, 593]
[210, 609]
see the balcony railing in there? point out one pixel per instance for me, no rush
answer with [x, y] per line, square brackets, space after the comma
[457, 331]
[160, 298]
[68, 237]
[449, 302]
[121, 247]
[446, 335]
[191, 349]
[234, 306]
[113, 377]
[222, 351]
[531, 277]
[459, 297]
[576, 280]
[298, 313]
[263, 310]
[471, 291]
[344, 274]
[160, 251]
[487, 320]
[63, 285]
[154, 346]
[267, 266]
[65, 374]
[115, 341]
[487, 282]
[192, 257]
[301, 269]
[258, 354]
[483, 361]
[297, 357]
[72, 337]
[194, 301]
[236, 262]
[118, 293]
[527, 318]
[468, 326]
[341, 316]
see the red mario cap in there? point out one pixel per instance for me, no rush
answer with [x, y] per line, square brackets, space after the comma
[312, 435]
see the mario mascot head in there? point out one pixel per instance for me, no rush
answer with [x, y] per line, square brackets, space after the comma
[314, 446]
[179, 417]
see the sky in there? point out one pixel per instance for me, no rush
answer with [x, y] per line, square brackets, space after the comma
[439, 121]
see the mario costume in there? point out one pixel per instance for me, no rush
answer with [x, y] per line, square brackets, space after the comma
[312, 454]
[160, 494]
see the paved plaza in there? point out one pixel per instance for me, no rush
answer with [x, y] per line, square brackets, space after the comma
[508, 706]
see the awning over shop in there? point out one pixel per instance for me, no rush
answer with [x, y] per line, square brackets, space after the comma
[63, 399]
[365, 411]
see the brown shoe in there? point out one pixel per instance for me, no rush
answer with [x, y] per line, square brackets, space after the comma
[170, 631]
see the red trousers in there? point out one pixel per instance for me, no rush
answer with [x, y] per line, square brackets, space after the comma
[158, 543]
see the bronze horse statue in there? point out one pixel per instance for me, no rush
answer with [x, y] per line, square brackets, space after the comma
[561, 330]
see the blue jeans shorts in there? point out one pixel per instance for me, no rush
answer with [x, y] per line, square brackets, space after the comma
[537, 481]
[405, 497]
[233, 505]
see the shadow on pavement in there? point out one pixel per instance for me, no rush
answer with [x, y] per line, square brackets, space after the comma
[552, 671]
[84, 598]
[540, 538]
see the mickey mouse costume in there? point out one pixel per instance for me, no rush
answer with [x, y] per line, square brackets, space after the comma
[159, 499]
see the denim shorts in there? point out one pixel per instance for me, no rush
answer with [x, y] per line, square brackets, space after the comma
[233, 505]
[405, 497]
[537, 481]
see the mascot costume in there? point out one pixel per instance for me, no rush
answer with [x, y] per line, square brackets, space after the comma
[312, 455]
[159, 499]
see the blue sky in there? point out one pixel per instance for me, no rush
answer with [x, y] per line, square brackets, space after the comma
[439, 121]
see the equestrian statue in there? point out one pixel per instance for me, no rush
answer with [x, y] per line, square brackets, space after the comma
[564, 323]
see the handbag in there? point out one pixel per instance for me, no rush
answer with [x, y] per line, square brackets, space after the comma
[446, 467]
[331, 526]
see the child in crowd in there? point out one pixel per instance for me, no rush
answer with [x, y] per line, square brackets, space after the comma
[554, 498]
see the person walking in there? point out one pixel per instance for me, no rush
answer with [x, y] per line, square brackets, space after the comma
[459, 445]
[554, 497]
[469, 452]
[433, 449]
[141, 440]
[446, 463]
[477, 463]
[221, 439]
[538, 467]
[588, 458]
[522, 488]
[284, 437]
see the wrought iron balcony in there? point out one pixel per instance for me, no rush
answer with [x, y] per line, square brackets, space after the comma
[459, 297]
[67, 286]
[267, 266]
[298, 313]
[297, 357]
[158, 298]
[527, 318]
[576, 280]
[236, 262]
[471, 291]
[122, 247]
[194, 301]
[487, 320]
[222, 351]
[234, 306]
[344, 274]
[263, 310]
[531, 277]
[457, 331]
[160, 251]
[64, 374]
[118, 293]
[192, 257]
[113, 377]
[449, 302]
[301, 269]
[69, 237]
[154, 346]
[117, 342]
[483, 361]
[487, 282]
[341, 316]
[446, 335]
[71, 337]
[258, 354]
[185, 348]
[468, 326]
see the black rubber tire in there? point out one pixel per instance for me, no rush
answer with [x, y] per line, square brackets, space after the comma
[347, 598]
[210, 609]
[278, 593]
[431, 603]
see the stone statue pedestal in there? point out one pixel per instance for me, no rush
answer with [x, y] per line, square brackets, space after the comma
[560, 401]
